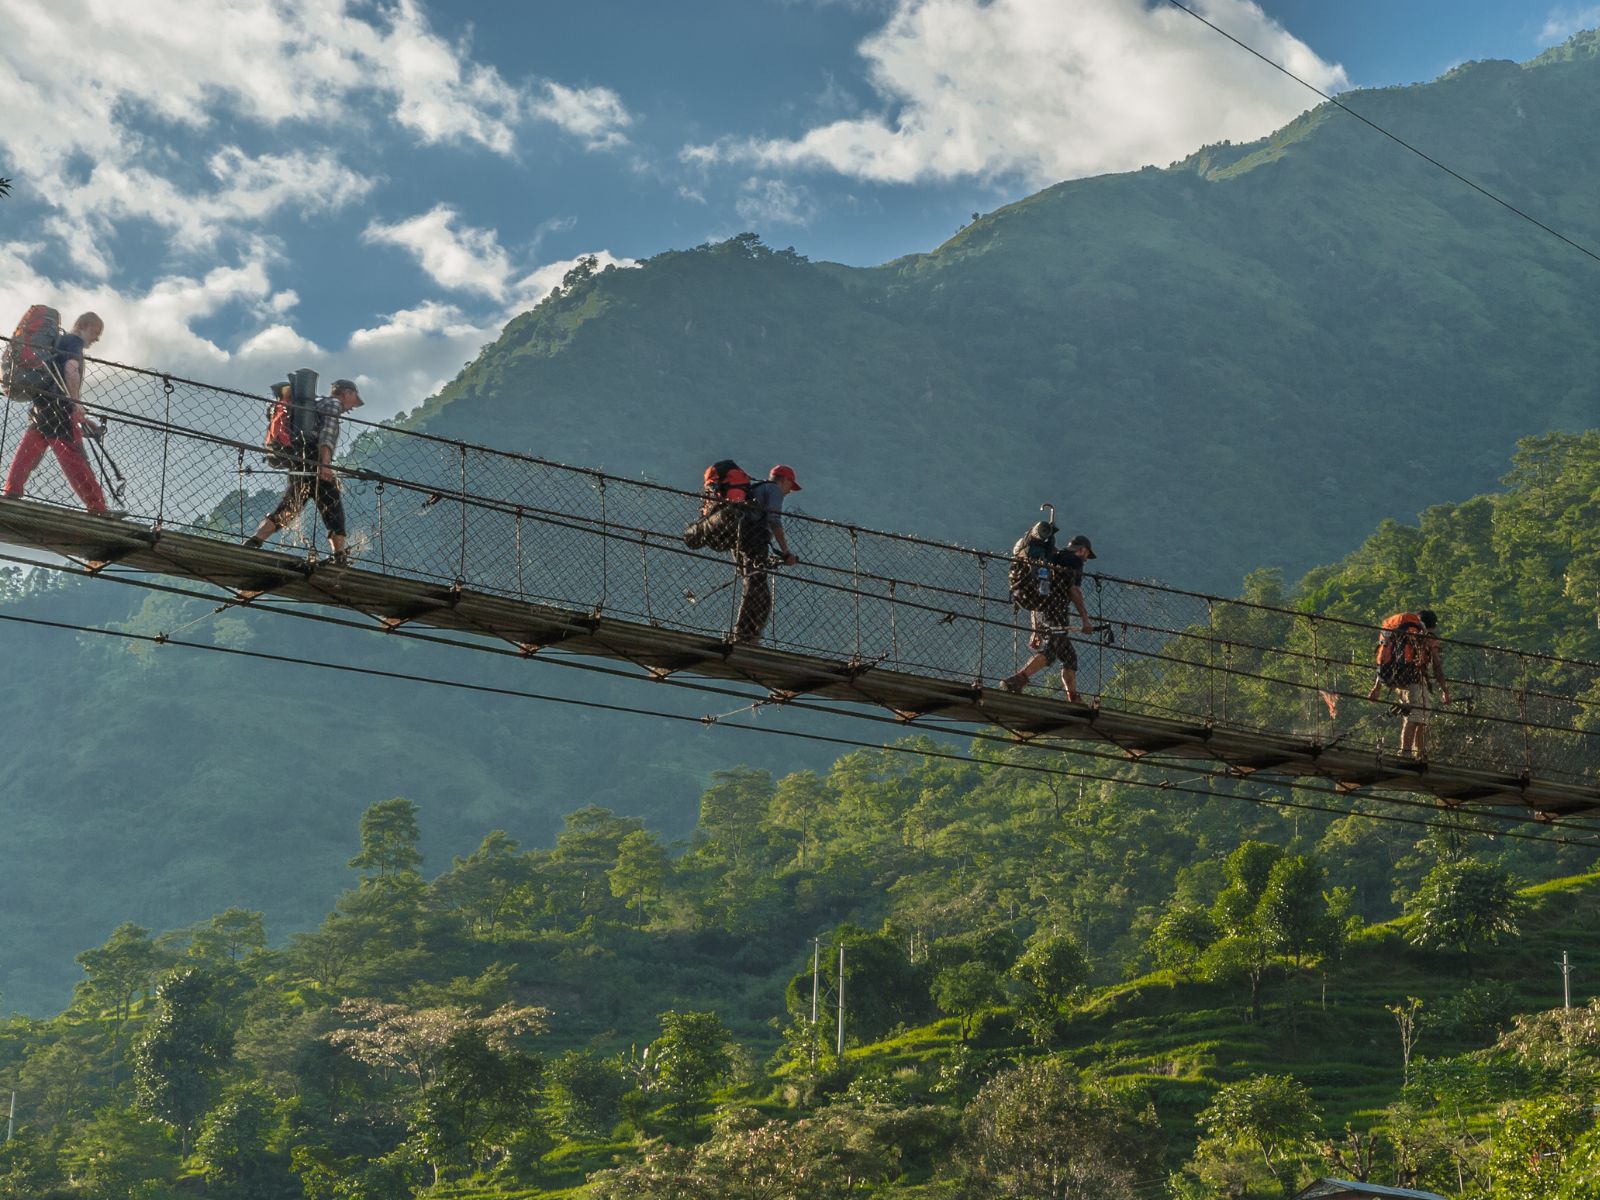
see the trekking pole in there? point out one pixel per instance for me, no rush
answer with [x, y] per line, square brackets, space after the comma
[102, 458]
[771, 564]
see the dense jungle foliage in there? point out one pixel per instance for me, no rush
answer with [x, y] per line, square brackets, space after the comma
[1051, 987]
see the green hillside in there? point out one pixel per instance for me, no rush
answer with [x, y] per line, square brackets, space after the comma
[1146, 991]
[1248, 359]
[1170, 355]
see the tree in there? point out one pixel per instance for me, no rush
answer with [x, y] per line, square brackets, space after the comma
[690, 1057]
[1293, 910]
[389, 838]
[964, 990]
[1050, 969]
[1181, 936]
[733, 814]
[230, 936]
[642, 868]
[119, 970]
[470, 1085]
[584, 1090]
[796, 810]
[484, 1093]
[178, 1058]
[487, 885]
[119, 1153]
[240, 1146]
[1533, 1142]
[1405, 1018]
[1270, 1114]
[1042, 1131]
[1463, 905]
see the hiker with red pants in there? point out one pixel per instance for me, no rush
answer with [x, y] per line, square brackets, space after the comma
[56, 421]
[1408, 653]
[763, 526]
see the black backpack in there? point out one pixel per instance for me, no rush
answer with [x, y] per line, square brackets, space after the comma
[1031, 560]
[727, 511]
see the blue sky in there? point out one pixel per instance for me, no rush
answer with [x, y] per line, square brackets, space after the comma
[376, 186]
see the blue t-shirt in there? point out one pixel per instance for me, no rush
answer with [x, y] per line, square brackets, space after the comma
[52, 411]
[769, 503]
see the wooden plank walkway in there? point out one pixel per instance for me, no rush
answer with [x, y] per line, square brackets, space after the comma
[395, 600]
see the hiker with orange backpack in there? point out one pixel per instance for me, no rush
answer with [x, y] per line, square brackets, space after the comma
[46, 367]
[1408, 654]
[308, 455]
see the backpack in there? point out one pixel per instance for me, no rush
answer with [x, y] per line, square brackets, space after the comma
[725, 508]
[1031, 559]
[1402, 650]
[26, 370]
[292, 419]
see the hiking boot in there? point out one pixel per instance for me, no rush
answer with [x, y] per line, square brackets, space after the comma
[253, 542]
[1014, 683]
[341, 558]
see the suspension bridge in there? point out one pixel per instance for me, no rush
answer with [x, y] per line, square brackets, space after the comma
[545, 558]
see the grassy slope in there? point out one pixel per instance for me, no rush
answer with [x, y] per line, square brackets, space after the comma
[1180, 1040]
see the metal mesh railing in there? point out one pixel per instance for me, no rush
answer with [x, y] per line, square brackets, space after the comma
[428, 508]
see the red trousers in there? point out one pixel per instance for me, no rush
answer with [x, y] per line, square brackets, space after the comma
[73, 465]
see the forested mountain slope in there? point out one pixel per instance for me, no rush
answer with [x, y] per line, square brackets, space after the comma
[1248, 359]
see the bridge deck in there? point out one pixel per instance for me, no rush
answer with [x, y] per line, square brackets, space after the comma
[533, 626]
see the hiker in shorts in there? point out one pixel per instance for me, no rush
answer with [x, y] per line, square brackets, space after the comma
[1411, 696]
[311, 475]
[751, 555]
[56, 421]
[1049, 624]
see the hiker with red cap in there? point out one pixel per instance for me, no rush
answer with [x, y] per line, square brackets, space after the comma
[751, 555]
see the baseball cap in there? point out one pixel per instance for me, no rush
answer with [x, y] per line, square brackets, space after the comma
[784, 472]
[346, 385]
[1080, 540]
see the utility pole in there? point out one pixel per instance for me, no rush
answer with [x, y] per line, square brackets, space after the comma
[11, 1120]
[816, 963]
[840, 1050]
[1566, 981]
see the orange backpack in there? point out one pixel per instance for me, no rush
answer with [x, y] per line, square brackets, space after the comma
[26, 371]
[1402, 650]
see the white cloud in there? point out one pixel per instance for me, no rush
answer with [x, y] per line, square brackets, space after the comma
[1566, 20]
[774, 202]
[400, 360]
[462, 259]
[1043, 91]
[596, 114]
[107, 102]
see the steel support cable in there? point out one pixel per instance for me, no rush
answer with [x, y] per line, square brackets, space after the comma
[707, 721]
[1395, 138]
[919, 752]
[609, 530]
[925, 723]
[1522, 723]
[853, 530]
[703, 687]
